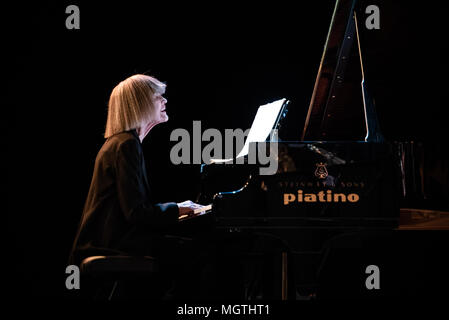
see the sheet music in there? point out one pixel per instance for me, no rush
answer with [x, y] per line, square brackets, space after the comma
[263, 123]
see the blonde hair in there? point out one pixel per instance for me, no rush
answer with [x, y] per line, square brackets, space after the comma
[131, 103]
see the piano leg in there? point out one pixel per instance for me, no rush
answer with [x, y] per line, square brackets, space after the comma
[284, 294]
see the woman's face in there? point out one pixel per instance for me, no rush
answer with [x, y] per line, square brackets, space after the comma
[159, 108]
[160, 115]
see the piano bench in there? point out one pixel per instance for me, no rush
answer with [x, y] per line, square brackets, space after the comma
[119, 276]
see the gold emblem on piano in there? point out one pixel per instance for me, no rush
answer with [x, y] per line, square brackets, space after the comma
[321, 171]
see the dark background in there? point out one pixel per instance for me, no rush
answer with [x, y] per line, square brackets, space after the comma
[220, 62]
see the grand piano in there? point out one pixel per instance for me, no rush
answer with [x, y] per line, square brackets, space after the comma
[341, 136]
[339, 182]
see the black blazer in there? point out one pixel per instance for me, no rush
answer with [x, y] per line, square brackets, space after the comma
[119, 207]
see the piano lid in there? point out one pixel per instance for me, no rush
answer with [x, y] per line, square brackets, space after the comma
[337, 109]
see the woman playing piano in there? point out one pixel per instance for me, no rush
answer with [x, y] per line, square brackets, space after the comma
[119, 215]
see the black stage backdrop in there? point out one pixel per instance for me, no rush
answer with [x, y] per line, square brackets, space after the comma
[220, 62]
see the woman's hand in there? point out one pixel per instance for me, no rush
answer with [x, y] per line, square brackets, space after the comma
[186, 208]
